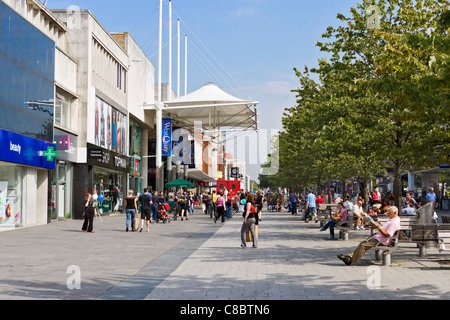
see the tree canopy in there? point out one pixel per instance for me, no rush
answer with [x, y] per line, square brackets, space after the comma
[379, 99]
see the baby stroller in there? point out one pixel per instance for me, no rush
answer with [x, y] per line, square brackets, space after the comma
[163, 213]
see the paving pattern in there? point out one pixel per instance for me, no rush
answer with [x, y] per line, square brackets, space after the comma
[200, 260]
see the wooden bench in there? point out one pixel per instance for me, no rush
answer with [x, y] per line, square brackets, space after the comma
[444, 239]
[445, 219]
[324, 213]
[383, 252]
[344, 227]
[406, 223]
[427, 235]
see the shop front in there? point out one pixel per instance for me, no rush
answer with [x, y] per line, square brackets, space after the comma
[136, 158]
[62, 176]
[25, 166]
[11, 195]
[108, 178]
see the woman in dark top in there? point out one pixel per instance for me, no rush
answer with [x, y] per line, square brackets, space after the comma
[250, 221]
[130, 209]
[155, 206]
[259, 205]
[88, 214]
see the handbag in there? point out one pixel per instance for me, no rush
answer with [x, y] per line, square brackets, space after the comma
[84, 213]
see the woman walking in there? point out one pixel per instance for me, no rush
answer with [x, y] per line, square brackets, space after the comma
[88, 214]
[155, 207]
[220, 207]
[250, 221]
[259, 204]
[130, 209]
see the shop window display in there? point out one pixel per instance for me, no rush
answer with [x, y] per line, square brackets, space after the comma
[111, 185]
[10, 195]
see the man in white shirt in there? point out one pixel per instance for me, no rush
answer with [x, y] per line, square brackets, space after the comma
[359, 214]
[348, 205]
[389, 229]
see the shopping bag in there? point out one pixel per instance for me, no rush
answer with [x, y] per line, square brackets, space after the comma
[249, 236]
[136, 224]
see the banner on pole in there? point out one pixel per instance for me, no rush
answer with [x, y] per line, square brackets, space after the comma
[166, 137]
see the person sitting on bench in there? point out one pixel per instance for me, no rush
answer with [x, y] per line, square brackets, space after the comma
[389, 229]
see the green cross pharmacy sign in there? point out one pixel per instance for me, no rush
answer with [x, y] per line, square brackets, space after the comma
[50, 154]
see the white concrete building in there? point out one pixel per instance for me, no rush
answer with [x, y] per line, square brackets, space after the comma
[115, 81]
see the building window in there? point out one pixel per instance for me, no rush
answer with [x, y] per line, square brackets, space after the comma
[118, 75]
[124, 81]
[11, 194]
[121, 75]
[27, 67]
[63, 113]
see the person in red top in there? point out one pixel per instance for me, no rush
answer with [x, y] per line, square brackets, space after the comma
[320, 200]
[220, 204]
[375, 197]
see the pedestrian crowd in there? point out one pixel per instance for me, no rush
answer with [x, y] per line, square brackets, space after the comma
[181, 204]
[220, 205]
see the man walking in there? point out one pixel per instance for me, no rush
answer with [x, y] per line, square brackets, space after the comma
[293, 199]
[145, 200]
[311, 209]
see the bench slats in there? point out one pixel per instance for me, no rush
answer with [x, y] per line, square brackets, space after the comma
[444, 239]
[424, 233]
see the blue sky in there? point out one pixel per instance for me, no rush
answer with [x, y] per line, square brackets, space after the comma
[255, 43]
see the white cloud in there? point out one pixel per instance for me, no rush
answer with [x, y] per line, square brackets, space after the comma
[241, 12]
[274, 96]
[271, 88]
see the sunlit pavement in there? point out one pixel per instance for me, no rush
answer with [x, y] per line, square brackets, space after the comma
[200, 260]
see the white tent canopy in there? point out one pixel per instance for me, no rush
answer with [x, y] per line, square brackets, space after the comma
[214, 107]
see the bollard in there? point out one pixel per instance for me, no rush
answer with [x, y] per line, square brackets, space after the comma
[386, 258]
[422, 250]
[377, 255]
[343, 235]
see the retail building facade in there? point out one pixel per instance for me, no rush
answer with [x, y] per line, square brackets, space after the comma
[31, 40]
[113, 127]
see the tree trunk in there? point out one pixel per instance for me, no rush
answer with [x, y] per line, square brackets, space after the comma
[329, 192]
[398, 186]
[366, 192]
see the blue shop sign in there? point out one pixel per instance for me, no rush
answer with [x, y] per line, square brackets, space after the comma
[17, 148]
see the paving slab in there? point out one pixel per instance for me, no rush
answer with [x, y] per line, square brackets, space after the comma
[198, 260]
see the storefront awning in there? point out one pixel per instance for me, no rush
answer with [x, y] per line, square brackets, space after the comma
[199, 175]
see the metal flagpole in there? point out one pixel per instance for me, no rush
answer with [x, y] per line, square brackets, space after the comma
[179, 59]
[170, 52]
[159, 107]
[185, 64]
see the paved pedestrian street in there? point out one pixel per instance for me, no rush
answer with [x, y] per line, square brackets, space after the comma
[200, 260]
